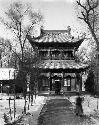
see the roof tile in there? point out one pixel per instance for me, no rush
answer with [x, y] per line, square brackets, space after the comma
[64, 64]
[56, 36]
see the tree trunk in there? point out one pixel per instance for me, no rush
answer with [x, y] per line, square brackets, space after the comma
[97, 74]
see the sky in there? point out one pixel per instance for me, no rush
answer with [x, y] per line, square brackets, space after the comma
[58, 14]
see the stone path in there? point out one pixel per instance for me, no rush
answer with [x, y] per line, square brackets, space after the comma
[59, 111]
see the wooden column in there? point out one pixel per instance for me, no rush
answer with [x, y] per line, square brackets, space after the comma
[70, 83]
[81, 81]
[74, 52]
[61, 54]
[77, 82]
[1, 86]
[62, 80]
[49, 54]
[50, 81]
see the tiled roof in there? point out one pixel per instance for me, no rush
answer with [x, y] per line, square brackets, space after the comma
[60, 36]
[61, 64]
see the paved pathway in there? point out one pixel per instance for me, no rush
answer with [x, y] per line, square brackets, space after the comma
[59, 111]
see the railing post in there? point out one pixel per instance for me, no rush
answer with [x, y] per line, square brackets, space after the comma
[97, 103]
[14, 95]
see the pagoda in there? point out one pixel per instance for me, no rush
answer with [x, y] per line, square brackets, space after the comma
[60, 70]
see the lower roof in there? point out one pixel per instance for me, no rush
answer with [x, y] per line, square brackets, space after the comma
[62, 64]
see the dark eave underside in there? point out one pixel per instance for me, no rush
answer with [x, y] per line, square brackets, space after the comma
[64, 70]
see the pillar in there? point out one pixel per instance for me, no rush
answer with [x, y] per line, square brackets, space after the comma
[77, 82]
[80, 81]
[61, 54]
[1, 86]
[50, 81]
[62, 84]
[49, 54]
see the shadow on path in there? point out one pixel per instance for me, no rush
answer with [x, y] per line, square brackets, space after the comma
[60, 112]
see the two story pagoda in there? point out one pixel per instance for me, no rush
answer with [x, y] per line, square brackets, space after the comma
[60, 70]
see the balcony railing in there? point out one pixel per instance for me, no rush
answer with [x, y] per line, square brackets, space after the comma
[56, 55]
[56, 58]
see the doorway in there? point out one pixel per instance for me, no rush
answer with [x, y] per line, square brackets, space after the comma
[57, 87]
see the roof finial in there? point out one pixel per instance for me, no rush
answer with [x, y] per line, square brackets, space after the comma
[69, 30]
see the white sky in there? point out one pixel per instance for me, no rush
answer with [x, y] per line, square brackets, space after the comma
[58, 14]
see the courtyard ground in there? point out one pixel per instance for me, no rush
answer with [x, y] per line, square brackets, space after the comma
[34, 109]
[90, 107]
[59, 111]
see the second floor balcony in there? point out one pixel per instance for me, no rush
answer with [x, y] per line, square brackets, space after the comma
[56, 55]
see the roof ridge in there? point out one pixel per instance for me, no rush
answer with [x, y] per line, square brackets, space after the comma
[56, 31]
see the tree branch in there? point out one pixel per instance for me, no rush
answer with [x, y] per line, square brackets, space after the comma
[79, 3]
[16, 54]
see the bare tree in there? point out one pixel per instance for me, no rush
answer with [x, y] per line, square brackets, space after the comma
[89, 13]
[17, 14]
[21, 20]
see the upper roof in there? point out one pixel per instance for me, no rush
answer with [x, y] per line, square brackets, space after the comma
[49, 37]
[56, 36]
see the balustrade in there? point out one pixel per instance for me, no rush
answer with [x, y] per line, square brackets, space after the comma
[56, 55]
